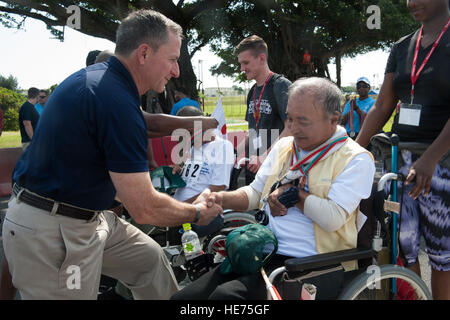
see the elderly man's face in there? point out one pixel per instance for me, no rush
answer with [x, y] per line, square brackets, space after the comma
[307, 122]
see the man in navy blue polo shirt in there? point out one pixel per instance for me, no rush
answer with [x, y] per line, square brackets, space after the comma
[90, 145]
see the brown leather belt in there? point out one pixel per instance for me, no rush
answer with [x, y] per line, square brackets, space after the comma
[54, 207]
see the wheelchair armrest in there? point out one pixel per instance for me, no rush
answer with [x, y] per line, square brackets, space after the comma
[327, 259]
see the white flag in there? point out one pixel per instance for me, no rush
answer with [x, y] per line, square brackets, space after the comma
[219, 115]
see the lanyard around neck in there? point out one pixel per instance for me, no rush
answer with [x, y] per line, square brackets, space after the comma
[258, 106]
[318, 154]
[415, 75]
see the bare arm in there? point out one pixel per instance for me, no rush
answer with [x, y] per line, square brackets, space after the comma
[380, 113]
[235, 200]
[422, 170]
[159, 125]
[148, 206]
[28, 128]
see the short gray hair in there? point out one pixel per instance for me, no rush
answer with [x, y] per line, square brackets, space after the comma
[325, 92]
[144, 26]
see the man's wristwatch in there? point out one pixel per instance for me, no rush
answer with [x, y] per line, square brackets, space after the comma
[197, 217]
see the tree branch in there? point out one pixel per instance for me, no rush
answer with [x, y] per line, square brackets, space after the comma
[46, 20]
[198, 47]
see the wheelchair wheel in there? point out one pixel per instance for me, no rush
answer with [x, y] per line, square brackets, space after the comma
[215, 243]
[376, 285]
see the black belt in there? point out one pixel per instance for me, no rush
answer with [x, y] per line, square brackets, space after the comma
[54, 207]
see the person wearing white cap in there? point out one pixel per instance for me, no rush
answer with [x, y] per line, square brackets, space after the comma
[356, 109]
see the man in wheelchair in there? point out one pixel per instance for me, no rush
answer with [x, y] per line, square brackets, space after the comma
[330, 174]
[208, 165]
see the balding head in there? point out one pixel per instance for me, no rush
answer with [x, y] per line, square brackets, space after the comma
[313, 111]
[103, 56]
[326, 94]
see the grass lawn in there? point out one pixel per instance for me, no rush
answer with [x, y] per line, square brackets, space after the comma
[243, 127]
[233, 106]
[10, 139]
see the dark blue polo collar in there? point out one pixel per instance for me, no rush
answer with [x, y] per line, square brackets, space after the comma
[118, 67]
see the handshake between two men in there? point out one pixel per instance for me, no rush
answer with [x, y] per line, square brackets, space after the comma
[246, 198]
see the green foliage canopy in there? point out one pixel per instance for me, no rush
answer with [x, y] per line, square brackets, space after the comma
[10, 103]
[329, 30]
[10, 83]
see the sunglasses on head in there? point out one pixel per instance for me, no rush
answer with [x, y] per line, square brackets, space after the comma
[362, 85]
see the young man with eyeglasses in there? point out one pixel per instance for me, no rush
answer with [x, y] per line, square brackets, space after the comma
[353, 120]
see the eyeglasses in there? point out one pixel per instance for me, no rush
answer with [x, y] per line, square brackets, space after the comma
[42, 97]
[362, 85]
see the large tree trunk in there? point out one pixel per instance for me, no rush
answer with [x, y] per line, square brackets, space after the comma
[338, 68]
[187, 79]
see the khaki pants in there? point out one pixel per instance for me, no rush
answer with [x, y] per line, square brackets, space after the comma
[57, 257]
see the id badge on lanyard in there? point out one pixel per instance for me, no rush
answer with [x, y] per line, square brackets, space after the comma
[410, 113]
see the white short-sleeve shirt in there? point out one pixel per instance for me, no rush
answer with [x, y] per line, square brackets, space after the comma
[209, 165]
[295, 231]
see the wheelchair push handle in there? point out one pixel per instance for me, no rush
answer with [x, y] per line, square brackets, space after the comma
[240, 163]
[395, 139]
[385, 178]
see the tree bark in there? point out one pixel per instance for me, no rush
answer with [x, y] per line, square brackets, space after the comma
[338, 68]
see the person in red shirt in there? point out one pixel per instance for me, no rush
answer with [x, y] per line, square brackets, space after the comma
[307, 64]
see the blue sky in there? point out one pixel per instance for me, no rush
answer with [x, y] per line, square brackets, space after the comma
[35, 59]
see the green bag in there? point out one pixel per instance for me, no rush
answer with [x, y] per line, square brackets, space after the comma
[247, 249]
[164, 181]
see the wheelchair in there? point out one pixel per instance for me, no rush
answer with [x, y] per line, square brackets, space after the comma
[322, 276]
[378, 276]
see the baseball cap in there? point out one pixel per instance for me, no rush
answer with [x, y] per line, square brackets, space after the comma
[363, 79]
[246, 249]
